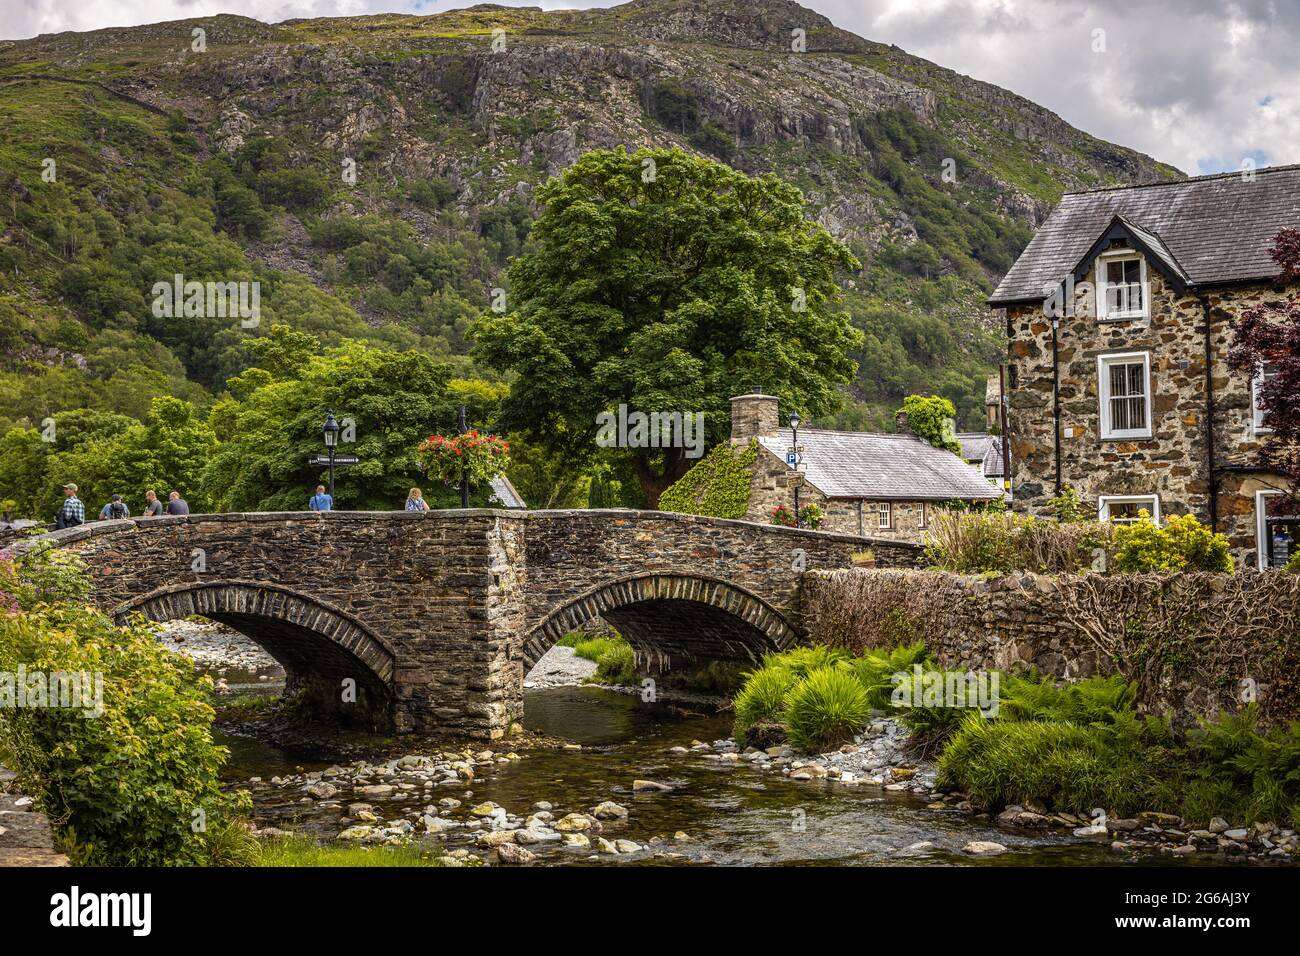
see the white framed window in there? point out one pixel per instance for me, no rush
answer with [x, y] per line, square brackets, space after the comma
[1124, 390]
[884, 515]
[1122, 286]
[1264, 373]
[1127, 509]
[925, 515]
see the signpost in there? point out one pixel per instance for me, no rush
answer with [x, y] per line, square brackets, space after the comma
[322, 460]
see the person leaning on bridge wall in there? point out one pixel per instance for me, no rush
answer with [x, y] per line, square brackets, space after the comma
[176, 505]
[415, 500]
[321, 501]
[153, 508]
[115, 508]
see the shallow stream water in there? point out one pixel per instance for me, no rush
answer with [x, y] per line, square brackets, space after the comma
[731, 815]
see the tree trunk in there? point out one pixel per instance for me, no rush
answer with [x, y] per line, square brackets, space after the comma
[655, 483]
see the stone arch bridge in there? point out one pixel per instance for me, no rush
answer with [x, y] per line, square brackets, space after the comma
[437, 616]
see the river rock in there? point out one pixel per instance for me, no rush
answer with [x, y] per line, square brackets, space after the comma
[1238, 834]
[627, 846]
[357, 833]
[983, 848]
[378, 790]
[604, 846]
[515, 855]
[498, 837]
[573, 823]
[649, 786]
[322, 791]
[609, 810]
[577, 839]
[487, 809]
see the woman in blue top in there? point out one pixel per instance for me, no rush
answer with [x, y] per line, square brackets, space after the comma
[415, 501]
[321, 501]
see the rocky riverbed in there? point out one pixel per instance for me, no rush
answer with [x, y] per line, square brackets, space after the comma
[603, 776]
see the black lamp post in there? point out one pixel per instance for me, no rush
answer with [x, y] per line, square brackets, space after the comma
[794, 431]
[331, 432]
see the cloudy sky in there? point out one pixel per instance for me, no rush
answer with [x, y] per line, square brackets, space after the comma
[1201, 85]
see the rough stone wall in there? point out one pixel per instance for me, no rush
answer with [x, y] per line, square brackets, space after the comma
[1173, 462]
[430, 612]
[25, 835]
[1188, 640]
[768, 488]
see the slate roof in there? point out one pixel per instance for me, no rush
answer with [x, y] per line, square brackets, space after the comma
[982, 450]
[1216, 229]
[882, 467]
[504, 493]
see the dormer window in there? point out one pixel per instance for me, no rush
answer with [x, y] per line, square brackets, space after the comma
[1121, 286]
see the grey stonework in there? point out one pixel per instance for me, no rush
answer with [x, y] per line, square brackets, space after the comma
[1174, 462]
[436, 616]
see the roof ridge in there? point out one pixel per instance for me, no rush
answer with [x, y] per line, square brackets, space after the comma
[1179, 182]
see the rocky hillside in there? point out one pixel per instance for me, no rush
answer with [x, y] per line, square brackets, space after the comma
[376, 174]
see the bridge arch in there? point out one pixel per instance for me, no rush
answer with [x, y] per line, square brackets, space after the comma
[671, 620]
[319, 646]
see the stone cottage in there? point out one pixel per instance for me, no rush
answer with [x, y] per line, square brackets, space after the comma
[877, 485]
[1119, 316]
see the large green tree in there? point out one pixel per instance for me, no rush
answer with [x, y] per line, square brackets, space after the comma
[668, 283]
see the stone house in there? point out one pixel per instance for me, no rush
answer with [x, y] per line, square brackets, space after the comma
[876, 485]
[1119, 316]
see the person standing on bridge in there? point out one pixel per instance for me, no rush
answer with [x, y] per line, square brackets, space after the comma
[153, 508]
[415, 500]
[73, 511]
[116, 508]
[321, 501]
[176, 505]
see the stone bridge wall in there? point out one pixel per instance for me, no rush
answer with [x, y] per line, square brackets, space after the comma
[1194, 643]
[437, 616]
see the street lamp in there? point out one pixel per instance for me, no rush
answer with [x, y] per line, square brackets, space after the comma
[331, 432]
[794, 431]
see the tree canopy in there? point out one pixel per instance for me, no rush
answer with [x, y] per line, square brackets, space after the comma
[668, 283]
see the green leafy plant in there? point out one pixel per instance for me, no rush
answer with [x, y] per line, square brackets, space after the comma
[718, 485]
[1068, 506]
[825, 709]
[1183, 544]
[761, 701]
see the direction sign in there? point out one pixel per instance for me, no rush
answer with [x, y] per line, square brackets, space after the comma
[793, 479]
[338, 460]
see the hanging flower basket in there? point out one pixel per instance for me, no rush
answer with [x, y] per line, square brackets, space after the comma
[473, 456]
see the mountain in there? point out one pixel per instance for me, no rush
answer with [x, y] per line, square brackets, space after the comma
[223, 149]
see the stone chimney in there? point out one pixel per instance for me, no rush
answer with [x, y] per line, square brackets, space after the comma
[753, 416]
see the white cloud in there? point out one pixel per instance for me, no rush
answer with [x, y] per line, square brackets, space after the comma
[1200, 84]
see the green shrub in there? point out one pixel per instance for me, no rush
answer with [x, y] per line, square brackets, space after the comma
[993, 541]
[1054, 764]
[1183, 544]
[762, 699]
[932, 419]
[130, 786]
[825, 709]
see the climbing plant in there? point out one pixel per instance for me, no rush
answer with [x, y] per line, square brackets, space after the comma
[718, 486]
